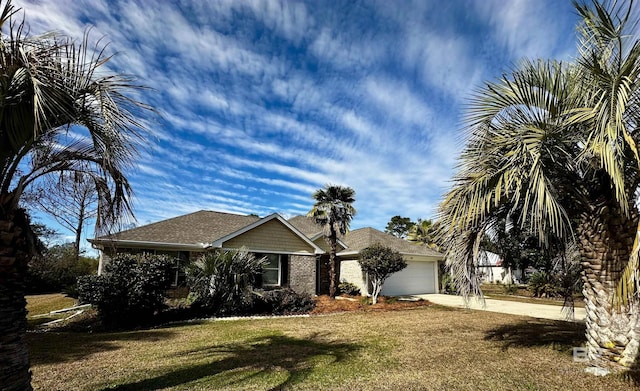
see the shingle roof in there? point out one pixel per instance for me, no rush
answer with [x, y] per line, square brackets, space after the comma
[199, 227]
[305, 225]
[362, 238]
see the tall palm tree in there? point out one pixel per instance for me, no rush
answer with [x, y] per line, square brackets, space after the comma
[333, 210]
[555, 145]
[50, 91]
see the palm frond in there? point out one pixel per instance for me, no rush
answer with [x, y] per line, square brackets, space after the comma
[50, 84]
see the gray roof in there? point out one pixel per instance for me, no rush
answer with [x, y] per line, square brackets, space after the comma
[306, 225]
[362, 238]
[199, 227]
[208, 226]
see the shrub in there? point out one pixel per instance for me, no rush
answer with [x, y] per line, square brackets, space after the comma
[510, 289]
[130, 291]
[348, 288]
[545, 284]
[223, 282]
[447, 284]
[57, 270]
[283, 302]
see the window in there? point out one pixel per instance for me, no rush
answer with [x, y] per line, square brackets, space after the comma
[271, 270]
[181, 258]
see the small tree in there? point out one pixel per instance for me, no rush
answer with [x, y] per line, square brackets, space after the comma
[380, 262]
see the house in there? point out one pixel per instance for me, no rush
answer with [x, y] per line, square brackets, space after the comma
[420, 275]
[296, 250]
[491, 270]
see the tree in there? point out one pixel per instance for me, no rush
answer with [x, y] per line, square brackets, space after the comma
[379, 263]
[399, 226]
[71, 200]
[558, 142]
[422, 232]
[50, 84]
[333, 210]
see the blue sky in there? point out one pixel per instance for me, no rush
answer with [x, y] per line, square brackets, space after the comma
[263, 102]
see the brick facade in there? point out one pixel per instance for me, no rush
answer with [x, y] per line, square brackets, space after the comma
[302, 273]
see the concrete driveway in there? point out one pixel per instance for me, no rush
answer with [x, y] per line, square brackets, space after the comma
[543, 311]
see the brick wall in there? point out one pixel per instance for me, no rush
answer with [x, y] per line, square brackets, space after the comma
[302, 273]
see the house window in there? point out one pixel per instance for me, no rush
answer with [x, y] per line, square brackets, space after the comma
[271, 270]
[181, 258]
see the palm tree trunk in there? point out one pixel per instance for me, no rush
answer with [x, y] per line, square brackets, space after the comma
[14, 256]
[606, 241]
[333, 286]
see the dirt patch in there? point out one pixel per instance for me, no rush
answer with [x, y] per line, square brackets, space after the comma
[325, 305]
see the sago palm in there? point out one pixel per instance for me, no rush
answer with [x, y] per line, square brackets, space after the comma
[554, 146]
[58, 113]
[333, 211]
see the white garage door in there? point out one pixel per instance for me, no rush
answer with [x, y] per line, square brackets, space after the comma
[417, 277]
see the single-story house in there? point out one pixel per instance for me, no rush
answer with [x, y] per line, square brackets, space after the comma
[491, 270]
[296, 250]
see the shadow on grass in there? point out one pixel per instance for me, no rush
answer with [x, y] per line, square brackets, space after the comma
[52, 347]
[556, 334]
[561, 336]
[242, 362]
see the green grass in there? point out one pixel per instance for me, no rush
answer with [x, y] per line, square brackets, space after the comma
[39, 305]
[43, 304]
[424, 348]
[497, 291]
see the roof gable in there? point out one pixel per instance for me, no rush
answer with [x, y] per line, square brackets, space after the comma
[272, 233]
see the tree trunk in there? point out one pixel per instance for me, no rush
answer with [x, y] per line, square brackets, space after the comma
[606, 240]
[333, 286]
[376, 291]
[15, 251]
[79, 226]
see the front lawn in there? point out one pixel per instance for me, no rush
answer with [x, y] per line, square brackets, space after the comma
[39, 307]
[421, 348]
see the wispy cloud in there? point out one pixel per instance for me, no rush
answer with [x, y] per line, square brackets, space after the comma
[262, 102]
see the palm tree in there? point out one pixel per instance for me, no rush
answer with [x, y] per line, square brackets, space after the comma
[334, 211]
[422, 233]
[49, 92]
[555, 145]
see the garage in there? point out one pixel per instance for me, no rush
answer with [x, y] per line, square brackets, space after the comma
[418, 277]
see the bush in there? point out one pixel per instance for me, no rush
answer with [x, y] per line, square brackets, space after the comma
[348, 288]
[57, 270]
[283, 302]
[510, 289]
[545, 284]
[447, 286]
[130, 291]
[222, 282]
